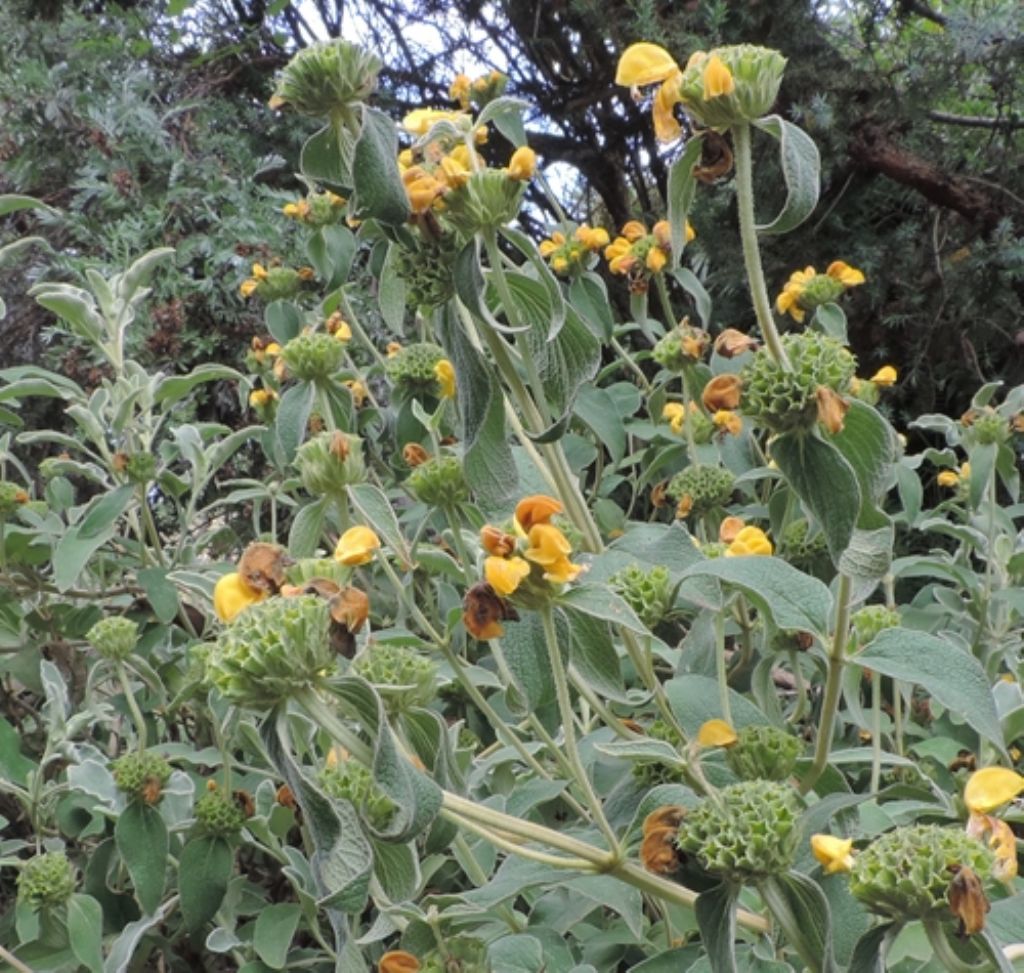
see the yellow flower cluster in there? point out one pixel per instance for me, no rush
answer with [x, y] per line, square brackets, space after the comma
[636, 248]
[951, 479]
[313, 209]
[479, 91]
[806, 289]
[567, 254]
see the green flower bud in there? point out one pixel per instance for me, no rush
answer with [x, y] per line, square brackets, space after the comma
[905, 874]
[403, 677]
[747, 93]
[650, 773]
[352, 782]
[278, 284]
[706, 486]
[114, 637]
[272, 650]
[313, 357]
[47, 880]
[867, 622]
[218, 814]
[648, 593]
[329, 462]
[763, 753]
[681, 347]
[460, 955]
[749, 831]
[12, 497]
[820, 289]
[140, 468]
[412, 369]
[805, 551]
[308, 568]
[427, 271]
[489, 199]
[142, 775]
[439, 482]
[783, 401]
[327, 80]
[988, 428]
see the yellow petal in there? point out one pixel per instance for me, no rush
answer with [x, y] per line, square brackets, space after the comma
[990, 788]
[523, 164]
[834, 854]
[505, 574]
[666, 127]
[717, 78]
[644, 64]
[885, 376]
[716, 733]
[948, 479]
[444, 372]
[356, 546]
[846, 275]
[750, 541]
[231, 595]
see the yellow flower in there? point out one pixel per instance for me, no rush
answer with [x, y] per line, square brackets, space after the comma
[884, 377]
[789, 300]
[592, 237]
[393, 348]
[846, 275]
[523, 164]
[248, 287]
[722, 392]
[643, 64]
[356, 546]
[834, 854]
[455, 173]
[717, 78]
[259, 272]
[728, 420]
[405, 159]
[459, 90]
[231, 595]
[559, 264]
[422, 120]
[421, 188]
[948, 478]
[258, 398]
[990, 788]
[675, 412]
[716, 733]
[358, 390]
[655, 260]
[750, 541]
[634, 230]
[273, 349]
[504, 574]
[536, 509]
[444, 372]
[550, 548]
[619, 254]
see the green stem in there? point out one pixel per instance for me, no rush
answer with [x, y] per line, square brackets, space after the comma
[944, 951]
[569, 731]
[410, 605]
[833, 685]
[626, 359]
[876, 731]
[748, 237]
[133, 705]
[720, 670]
[465, 562]
[666, 301]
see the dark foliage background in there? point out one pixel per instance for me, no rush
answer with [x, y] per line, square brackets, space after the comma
[146, 124]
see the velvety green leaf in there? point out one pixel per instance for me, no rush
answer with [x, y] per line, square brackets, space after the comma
[204, 869]
[716, 917]
[14, 765]
[954, 677]
[160, 592]
[104, 511]
[275, 928]
[527, 656]
[793, 600]
[487, 458]
[801, 164]
[982, 458]
[831, 319]
[283, 320]
[72, 554]
[799, 906]
[85, 931]
[11, 202]
[868, 443]
[589, 296]
[869, 554]
[681, 189]
[379, 193]
[594, 657]
[519, 953]
[690, 283]
[292, 417]
[567, 363]
[543, 275]
[506, 114]
[598, 602]
[175, 387]
[695, 700]
[825, 481]
[397, 869]
[377, 512]
[869, 954]
[598, 410]
[325, 160]
[330, 250]
[119, 959]
[391, 292]
[307, 528]
[142, 843]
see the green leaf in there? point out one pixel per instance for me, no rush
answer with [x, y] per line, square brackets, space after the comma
[594, 657]
[589, 296]
[598, 602]
[487, 458]
[397, 869]
[330, 250]
[830, 319]
[12, 202]
[825, 481]
[104, 511]
[868, 556]
[690, 283]
[283, 320]
[794, 601]
[161, 593]
[377, 512]
[14, 765]
[543, 275]
[72, 553]
[526, 653]
[695, 700]
[953, 676]
[567, 363]
[323, 159]
[307, 528]
[799, 906]
[982, 458]
[379, 193]
[391, 291]
[204, 870]
[507, 115]
[869, 953]
[292, 418]
[716, 917]
[682, 186]
[142, 842]
[121, 952]
[519, 953]
[868, 443]
[275, 927]
[801, 163]
[85, 931]
[176, 387]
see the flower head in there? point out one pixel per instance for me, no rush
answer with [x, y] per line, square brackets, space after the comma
[550, 548]
[356, 546]
[990, 788]
[750, 541]
[806, 289]
[722, 392]
[523, 164]
[504, 574]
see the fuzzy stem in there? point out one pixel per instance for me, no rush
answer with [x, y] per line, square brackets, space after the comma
[133, 705]
[833, 685]
[751, 253]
